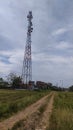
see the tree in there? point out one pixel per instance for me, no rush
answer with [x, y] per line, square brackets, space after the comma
[3, 83]
[71, 88]
[11, 77]
[14, 80]
[1, 80]
[17, 81]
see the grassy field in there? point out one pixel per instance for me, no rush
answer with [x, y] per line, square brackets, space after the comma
[11, 101]
[62, 116]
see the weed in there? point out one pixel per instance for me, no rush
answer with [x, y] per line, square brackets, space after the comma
[62, 116]
[12, 101]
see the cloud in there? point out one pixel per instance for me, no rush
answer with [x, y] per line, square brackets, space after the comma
[59, 31]
[64, 45]
[11, 61]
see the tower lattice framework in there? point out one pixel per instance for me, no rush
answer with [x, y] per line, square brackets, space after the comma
[27, 62]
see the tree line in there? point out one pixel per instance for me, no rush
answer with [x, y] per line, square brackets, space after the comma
[15, 82]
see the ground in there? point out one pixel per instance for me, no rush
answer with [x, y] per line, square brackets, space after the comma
[34, 117]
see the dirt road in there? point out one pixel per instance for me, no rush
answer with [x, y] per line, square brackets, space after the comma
[44, 123]
[38, 120]
[8, 123]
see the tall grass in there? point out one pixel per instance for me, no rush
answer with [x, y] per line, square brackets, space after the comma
[62, 116]
[11, 101]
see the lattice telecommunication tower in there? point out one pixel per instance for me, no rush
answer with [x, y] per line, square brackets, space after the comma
[27, 62]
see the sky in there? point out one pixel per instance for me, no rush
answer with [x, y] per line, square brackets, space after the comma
[52, 39]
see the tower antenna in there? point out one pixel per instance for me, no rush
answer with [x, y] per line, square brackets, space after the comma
[27, 62]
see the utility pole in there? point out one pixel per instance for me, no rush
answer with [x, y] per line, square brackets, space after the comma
[27, 62]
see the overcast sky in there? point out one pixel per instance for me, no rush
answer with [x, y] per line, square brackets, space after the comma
[52, 38]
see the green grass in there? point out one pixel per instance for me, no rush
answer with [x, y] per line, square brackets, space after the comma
[62, 116]
[12, 101]
[43, 106]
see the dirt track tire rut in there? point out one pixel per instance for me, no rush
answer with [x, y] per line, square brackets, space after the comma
[38, 120]
[9, 123]
[44, 123]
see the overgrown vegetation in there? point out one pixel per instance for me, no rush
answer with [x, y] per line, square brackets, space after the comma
[62, 116]
[11, 101]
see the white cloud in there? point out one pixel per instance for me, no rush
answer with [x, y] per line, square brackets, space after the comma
[55, 59]
[59, 31]
[14, 58]
[62, 30]
[4, 68]
[64, 45]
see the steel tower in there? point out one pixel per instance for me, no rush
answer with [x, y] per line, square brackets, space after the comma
[27, 62]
